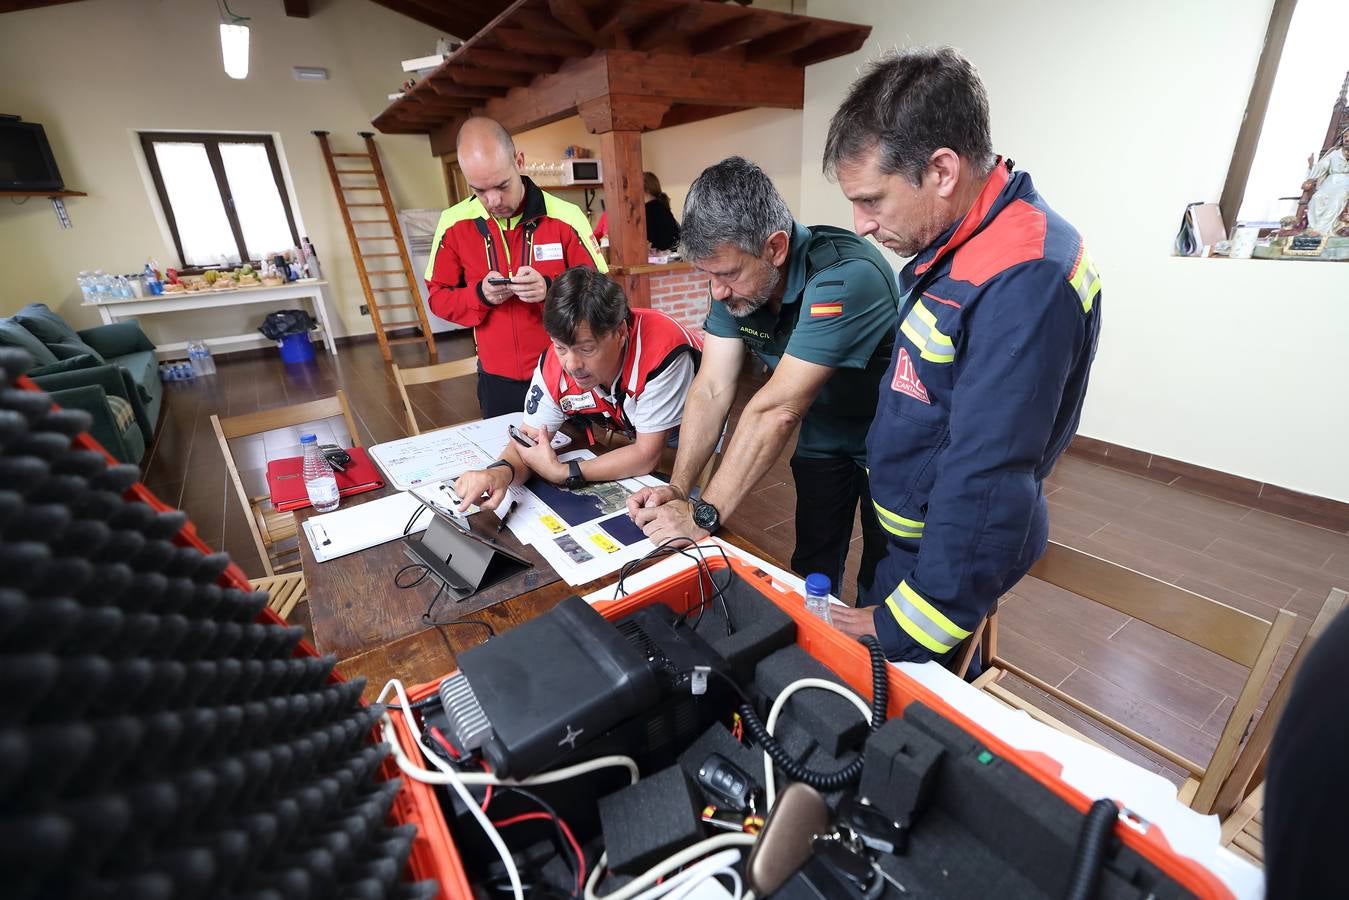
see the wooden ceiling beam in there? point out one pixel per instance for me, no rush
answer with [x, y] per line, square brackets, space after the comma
[670, 32]
[541, 23]
[786, 41]
[573, 15]
[298, 9]
[443, 86]
[704, 80]
[510, 62]
[526, 41]
[615, 112]
[747, 28]
[488, 77]
[551, 97]
[17, 5]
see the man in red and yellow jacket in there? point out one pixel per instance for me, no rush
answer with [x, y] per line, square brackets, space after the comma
[496, 253]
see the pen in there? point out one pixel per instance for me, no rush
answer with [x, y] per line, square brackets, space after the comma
[321, 534]
[510, 509]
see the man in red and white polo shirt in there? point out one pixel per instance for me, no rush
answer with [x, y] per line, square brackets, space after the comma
[625, 369]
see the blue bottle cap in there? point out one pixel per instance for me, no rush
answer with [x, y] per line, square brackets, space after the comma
[307, 439]
[818, 584]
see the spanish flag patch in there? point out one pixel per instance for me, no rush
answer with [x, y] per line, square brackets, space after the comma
[824, 310]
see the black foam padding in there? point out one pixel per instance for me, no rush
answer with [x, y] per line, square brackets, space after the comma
[901, 769]
[646, 822]
[158, 741]
[718, 740]
[834, 722]
[759, 627]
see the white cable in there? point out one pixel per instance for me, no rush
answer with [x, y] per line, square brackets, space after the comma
[737, 893]
[712, 864]
[647, 878]
[453, 780]
[770, 791]
[479, 779]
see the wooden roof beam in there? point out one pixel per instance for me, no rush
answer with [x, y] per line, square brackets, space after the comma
[298, 9]
[526, 41]
[747, 28]
[443, 86]
[705, 80]
[504, 60]
[789, 40]
[488, 77]
[439, 20]
[671, 32]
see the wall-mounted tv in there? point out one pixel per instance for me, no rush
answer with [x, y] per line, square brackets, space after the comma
[26, 161]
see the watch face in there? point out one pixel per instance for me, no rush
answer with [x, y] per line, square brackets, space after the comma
[705, 515]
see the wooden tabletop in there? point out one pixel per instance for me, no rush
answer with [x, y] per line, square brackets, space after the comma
[376, 629]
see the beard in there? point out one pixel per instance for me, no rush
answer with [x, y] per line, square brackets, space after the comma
[740, 307]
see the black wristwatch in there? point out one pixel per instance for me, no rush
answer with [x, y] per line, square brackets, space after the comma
[705, 516]
[575, 479]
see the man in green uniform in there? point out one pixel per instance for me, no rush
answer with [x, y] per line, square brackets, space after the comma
[818, 306]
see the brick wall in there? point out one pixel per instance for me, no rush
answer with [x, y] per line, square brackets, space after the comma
[682, 295]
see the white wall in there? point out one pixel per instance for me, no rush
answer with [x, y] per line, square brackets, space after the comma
[93, 73]
[1123, 113]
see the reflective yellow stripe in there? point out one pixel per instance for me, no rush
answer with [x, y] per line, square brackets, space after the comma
[931, 612]
[920, 327]
[911, 628]
[896, 524]
[1086, 281]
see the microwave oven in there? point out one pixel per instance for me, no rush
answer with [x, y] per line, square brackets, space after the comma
[582, 171]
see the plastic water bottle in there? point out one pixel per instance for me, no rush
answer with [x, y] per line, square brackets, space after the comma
[199, 355]
[817, 595]
[319, 481]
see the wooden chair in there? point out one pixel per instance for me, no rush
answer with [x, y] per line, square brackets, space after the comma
[285, 592]
[1241, 800]
[1245, 639]
[458, 368]
[271, 528]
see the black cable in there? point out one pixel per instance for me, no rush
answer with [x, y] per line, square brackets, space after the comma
[416, 514]
[793, 769]
[427, 619]
[564, 845]
[1091, 846]
[668, 548]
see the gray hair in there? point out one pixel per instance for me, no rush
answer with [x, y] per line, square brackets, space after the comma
[733, 202]
[907, 105]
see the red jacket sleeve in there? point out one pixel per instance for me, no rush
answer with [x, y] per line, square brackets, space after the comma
[575, 250]
[451, 296]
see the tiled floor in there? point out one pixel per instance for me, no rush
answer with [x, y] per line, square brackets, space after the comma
[1147, 679]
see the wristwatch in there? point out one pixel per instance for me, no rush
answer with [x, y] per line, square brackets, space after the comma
[575, 479]
[705, 516]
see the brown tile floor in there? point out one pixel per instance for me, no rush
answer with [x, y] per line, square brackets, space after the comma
[1157, 684]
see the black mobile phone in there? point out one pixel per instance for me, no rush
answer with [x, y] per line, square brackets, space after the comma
[520, 437]
[501, 281]
[338, 458]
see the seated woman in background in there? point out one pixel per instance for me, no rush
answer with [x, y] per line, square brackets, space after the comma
[662, 231]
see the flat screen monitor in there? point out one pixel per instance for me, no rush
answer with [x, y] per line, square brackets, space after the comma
[26, 161]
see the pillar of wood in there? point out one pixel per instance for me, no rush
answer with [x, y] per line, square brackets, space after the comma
[621, 152]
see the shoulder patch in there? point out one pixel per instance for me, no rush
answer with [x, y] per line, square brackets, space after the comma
[1016, 236]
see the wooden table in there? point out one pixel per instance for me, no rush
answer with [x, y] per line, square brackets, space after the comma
[375, 628]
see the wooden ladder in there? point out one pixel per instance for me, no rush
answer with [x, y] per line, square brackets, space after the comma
[405, 295]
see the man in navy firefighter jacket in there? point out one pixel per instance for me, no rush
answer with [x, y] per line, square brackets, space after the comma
[997, 333]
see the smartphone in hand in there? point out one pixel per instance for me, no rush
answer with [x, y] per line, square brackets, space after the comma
[498, 282]
[520, 437]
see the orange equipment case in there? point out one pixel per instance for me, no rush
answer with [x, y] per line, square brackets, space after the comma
[850, 661]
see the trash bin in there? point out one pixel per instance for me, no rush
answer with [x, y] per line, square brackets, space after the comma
[297, 348]
[290, 329]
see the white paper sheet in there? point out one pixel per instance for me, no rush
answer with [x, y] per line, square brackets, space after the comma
[356, 528]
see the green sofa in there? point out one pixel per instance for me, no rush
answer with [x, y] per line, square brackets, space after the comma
[110, 372]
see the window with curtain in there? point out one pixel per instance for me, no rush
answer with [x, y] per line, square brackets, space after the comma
[222, 194]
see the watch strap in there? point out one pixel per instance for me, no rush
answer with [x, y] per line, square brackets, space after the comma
[574, 479]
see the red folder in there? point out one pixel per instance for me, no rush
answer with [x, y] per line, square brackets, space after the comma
[285, 479]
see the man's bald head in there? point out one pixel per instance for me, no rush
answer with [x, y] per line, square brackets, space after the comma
[491, 165]
[483, 135]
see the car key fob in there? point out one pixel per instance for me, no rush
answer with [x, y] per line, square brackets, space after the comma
[725, 781]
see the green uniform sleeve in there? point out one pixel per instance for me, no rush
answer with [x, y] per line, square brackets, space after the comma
[846, 311]
[719, 322]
